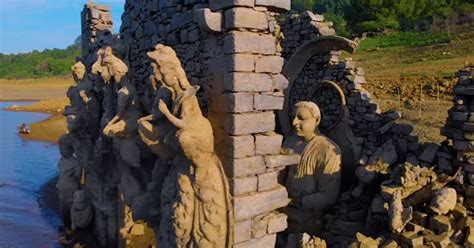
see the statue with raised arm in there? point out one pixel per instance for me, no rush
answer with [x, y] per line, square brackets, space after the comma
[123, 127]
[196, 211]
[313, 184]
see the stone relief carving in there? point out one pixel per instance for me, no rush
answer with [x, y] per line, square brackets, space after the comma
[81, 211]
[313, 184]
[195, 211]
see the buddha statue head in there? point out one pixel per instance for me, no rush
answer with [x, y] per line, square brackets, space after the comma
[307, 119]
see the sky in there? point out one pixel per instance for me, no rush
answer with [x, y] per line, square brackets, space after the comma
[27, 25]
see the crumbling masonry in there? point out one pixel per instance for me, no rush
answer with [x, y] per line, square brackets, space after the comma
[253, 62]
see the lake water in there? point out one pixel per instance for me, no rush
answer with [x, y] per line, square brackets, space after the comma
[25, 166]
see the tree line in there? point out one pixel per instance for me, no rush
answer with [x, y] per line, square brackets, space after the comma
[39, 64]
[359, 16]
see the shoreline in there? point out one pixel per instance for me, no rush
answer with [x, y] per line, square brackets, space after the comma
[49, 129]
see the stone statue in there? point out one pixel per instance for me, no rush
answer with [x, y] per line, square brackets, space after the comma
[196, 211]
[83, 144]
[69, 177]
[313, 184]
[83, 99]
[123, 127]
[81, 211]
[78, 71]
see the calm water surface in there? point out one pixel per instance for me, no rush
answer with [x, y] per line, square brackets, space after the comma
[25, 166]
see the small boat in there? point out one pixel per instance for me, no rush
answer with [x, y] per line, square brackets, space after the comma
[24, 129]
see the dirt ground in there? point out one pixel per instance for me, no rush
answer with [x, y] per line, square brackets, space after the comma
[34, 89]
[405, 78]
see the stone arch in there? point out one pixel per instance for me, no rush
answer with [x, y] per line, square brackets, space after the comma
[299, 60]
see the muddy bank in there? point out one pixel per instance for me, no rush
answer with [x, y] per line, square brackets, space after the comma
[50, 129]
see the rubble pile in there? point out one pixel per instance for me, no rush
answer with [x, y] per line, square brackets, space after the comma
[423, 202]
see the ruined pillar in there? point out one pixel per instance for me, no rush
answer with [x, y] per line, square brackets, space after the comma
[250, 92]
[96, 21]
[460, 129]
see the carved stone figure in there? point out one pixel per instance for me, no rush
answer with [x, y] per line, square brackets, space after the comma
[81, 211]
[69, 177]
[196, 211]
[313, 184]
[83, 99]
[399, 216]
[123, 127]
[78, 71]
[83, 144]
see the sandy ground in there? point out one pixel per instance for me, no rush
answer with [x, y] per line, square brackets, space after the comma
[33, 89]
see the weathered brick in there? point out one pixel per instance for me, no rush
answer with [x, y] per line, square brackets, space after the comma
[223, 4]
[240, 62]
[280, 81]
[239, 186]
[242, 231]
[248, 206]
[270, 64]
[243, 167]
[239, 146]
[259, 227]
[266, 241]
[246, 42]
[281, 160]
[268, 102]
[267, 181]
[247, 82]
[236, 102]
[275, 5]
[277, 224]
[266, 144]
[245, 18]
[248, 123]
[208, 20]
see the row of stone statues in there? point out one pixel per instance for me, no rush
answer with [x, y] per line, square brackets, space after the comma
[186, 207]
[178, 199]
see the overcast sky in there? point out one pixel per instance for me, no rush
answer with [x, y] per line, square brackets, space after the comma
[27, 25]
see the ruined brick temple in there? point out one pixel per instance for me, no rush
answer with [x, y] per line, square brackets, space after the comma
[256, 64]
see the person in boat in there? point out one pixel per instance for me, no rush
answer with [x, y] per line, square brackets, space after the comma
[24, 129]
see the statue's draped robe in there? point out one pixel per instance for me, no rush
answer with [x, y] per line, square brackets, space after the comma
[195, 199]
[313, 184]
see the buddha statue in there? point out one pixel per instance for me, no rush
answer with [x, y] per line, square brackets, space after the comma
[313, 184]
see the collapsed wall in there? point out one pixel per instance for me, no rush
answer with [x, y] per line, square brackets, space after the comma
[379, 136]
